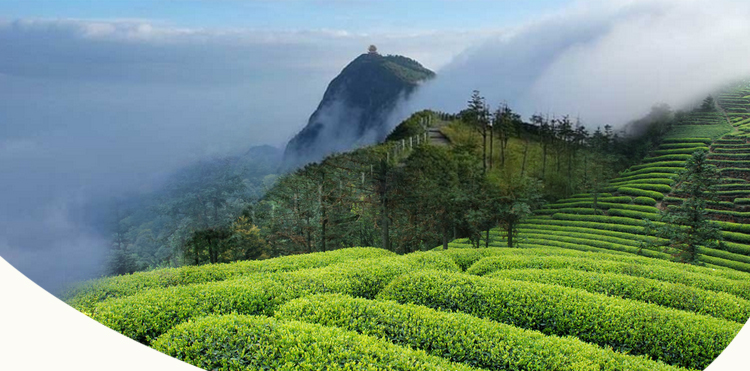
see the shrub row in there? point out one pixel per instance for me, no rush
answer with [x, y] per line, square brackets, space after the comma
[672, 295]
[644, 201]
[551, 233]
[645, 176]
[726, 263]
[678, 151]
[86, 295]
[721, 150]
[602, 243]
[736, 237]
[675, 157]
[593, 245]
[727, 255]
[663, 188]
[634, 214]
[571, 210]
[730, 156]
[682, 145]
[733, 227]
[146, 315]
[600, 198]
[640, 192]
[734, 186]
[665, 181]
[679, 273]
[672, 336]
[705, 141]
[235, 342]
[654, 170]
[601, 219]
[588, 224]
[736, 214]
[730, 141]
[659, 164]
[592, 231]
[460, 337]
[742, 201]
[739, 164]
[737, 248]
[588, 195]
[734, 170]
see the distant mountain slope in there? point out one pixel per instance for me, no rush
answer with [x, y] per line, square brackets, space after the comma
[355, 107]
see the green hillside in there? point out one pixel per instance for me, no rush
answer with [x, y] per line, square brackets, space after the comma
[585, 285]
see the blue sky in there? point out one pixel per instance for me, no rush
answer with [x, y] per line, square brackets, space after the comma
[352, 15]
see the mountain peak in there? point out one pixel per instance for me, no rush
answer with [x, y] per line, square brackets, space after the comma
[356, 106]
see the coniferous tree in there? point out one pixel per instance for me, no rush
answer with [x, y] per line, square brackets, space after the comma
[687, 227]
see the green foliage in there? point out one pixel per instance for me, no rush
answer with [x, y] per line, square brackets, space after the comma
[672, 157]
[633, 214]
[459, 337]
[644, 201]
[148, 314]
[703, 278]
[235, 342]
[410, 127]
[678, 296]
[686, 226]
[640, 192]
[87, 294]
[676, 337]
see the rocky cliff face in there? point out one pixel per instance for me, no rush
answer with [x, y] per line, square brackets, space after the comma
[356, 107]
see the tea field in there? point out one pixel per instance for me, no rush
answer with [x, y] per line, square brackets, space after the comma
[585, 291]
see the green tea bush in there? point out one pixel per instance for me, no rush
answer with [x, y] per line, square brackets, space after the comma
[699, 277]
[146, 315]
[659, 164]
[460, 337]
[86, 295]
[706, 141]
[566, 221]
[640, 193]
[682, 145]
[633, 214]
[737, 248]
[665, 181]
[734, 186]
[742, 201]
[663, 188]
[673, 157]
[730, 156]
[644, 201]
[525, 232]
[671, 176]
[732, 227]
[677, 151]
[601, 219]
[570, 210]
[654, 170]
[235, 342]
[622, 236]
[591, 245]
[672, 336]
[677, 296]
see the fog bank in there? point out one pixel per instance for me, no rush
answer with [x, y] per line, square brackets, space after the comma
[607, 62]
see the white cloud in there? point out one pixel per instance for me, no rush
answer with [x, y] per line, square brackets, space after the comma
[608, 62]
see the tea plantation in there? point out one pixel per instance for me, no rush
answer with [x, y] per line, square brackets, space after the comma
[584, 290]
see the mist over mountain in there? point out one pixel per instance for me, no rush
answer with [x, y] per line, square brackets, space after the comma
[357, 107]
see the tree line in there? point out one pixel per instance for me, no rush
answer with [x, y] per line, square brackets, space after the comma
[502, 169]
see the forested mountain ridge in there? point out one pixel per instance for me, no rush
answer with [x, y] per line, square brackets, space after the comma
[356, 107]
